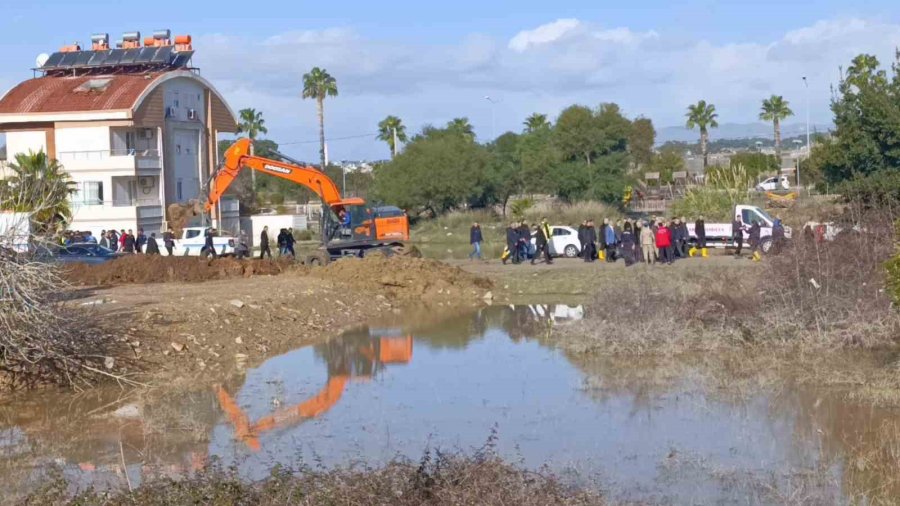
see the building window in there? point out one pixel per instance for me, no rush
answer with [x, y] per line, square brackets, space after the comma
[88, 193]
[178, 191]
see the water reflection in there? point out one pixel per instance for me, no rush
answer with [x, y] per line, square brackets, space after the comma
[448, 381]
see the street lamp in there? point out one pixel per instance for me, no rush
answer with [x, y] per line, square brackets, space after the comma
[493, 102]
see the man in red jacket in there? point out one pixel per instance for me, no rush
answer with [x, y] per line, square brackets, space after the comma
[664, 243]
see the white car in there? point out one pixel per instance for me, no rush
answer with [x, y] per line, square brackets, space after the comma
[564, 242]
[774, 183]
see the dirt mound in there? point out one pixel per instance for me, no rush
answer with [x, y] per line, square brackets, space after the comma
[160, 269]
[406, 277]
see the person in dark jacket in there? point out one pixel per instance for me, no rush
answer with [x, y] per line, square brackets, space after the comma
[524, 241]
[289, 242]
[140, 241]
[677, 238]
[590, 236]
[208, 244]
[264, 244]
[152, 245]
[737, 235]
[609, 241]
[512, 243]
[600, 237]
[778, 236]
[475, 239]
[636, 233]
[627, 244]
[582, 238]
[128, 243]
[104, 239]
[753, 239]
[700, 232]
[542, 242]
[169, 240]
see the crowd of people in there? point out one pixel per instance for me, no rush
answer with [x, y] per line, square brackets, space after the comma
[657, 240]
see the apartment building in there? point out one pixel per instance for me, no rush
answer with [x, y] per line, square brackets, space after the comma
[134, 125]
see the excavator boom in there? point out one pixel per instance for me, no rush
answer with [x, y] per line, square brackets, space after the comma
[238, 156]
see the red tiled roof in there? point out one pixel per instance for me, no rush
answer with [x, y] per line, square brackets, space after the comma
[57, 94]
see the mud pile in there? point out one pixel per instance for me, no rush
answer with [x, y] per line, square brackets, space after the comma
[139, 269]
[406, 278]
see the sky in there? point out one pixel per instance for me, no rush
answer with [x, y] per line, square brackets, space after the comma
[428, 62]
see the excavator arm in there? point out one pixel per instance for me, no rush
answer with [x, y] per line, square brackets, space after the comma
[238, 156]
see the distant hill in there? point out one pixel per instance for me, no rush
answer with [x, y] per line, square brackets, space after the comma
[737, 131]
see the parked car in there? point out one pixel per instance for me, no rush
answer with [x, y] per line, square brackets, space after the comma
[774, 183]
[719, 235]
[193, 239]
[86, 253]
[564, 242]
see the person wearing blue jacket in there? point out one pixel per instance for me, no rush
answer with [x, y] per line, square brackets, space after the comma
[609, 240]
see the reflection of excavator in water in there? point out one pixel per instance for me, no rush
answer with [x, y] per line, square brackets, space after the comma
[349, 226]
[351, 356]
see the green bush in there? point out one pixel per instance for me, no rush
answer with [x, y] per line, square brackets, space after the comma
[879, 189]
[276, 198]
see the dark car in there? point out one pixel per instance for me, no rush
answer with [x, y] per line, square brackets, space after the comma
[87, 253]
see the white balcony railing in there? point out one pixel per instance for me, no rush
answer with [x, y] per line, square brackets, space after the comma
[102, 154]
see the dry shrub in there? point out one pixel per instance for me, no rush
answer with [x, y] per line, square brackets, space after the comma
[43, 340]
[835, 291]
[437, 479]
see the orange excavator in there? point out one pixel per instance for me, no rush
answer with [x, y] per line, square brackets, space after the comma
[349, 357]
[349, 226]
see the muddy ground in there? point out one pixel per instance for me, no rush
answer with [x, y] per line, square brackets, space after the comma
[224, 315]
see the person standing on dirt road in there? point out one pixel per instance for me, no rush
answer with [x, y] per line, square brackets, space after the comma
[648, 244]
[475, 239]
[590, 238]
[700, 232]
[753, 238]
[664, 243]
[512, 243]
[152, 245]
[610, 241]
[627, 244]
[737, 235]
[140, 241]
[104, 239]
[264, 244]
[289, 242]
[541, 241]
[128, 242]
[208, 244]
[169, 240]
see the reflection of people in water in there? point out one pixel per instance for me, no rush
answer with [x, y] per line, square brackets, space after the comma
[354, 355]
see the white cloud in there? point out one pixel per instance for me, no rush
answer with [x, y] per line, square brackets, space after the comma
[539, 69]
[544, 34]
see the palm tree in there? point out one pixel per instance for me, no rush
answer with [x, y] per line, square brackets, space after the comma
[38, 185]
[536, 122]
[461, 126]
[392, 130]
[319, 84]
[775, 109]
[703, 116]
[252, 124]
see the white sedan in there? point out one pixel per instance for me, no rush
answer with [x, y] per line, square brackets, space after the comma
[564, 242]
[774, 183]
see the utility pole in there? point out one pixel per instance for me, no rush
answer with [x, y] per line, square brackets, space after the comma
[808, 147]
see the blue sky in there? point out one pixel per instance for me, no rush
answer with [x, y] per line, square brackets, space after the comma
[431, 61]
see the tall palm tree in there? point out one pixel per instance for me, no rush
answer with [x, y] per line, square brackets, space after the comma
[462, 127]
[775, 109]
[252, 124]
[318, 84]
[392, 130]
[536, 122]
[702, 116]
[38, 185]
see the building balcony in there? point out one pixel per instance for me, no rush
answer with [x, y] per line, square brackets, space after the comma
[129, 161]
[118, 209]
